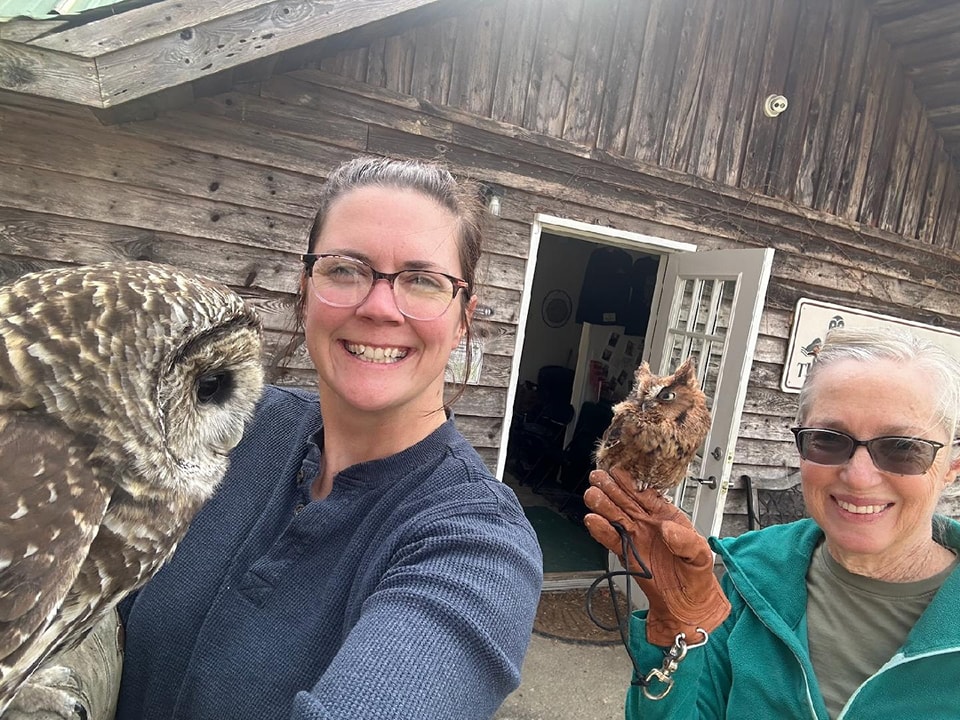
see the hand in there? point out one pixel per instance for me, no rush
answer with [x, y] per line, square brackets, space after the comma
[76, 684]
[684, 593]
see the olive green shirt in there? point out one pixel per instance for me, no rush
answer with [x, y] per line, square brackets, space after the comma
[855, 624]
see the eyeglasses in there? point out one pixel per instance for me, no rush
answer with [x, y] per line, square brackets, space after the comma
[900, 455]
[342, 281]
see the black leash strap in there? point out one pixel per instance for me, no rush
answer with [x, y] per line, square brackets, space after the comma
[658, 682]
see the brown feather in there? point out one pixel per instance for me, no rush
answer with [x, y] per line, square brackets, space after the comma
[123, 387]
[656, 430]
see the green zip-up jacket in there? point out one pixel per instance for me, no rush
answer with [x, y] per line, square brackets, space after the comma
[757, 665]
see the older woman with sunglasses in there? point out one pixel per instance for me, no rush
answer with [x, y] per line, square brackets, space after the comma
[851, 613]
[359, 560]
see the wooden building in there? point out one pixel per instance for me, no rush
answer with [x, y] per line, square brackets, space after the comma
[198, 133]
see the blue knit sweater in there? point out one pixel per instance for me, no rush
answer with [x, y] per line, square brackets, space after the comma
[409, 592]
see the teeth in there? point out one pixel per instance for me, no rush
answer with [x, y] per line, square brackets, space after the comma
[376, 354]
[861, 509]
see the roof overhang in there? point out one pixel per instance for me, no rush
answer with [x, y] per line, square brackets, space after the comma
[152, 48]
[925, 36]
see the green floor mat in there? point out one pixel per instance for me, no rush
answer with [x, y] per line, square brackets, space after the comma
[567, 546]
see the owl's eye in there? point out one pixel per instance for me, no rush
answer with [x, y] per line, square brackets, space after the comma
[667, 395]
[214, 388]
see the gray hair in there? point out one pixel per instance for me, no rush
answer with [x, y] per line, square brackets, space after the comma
[903, 346]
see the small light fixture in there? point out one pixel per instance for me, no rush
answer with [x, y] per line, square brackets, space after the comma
[491, 198]
[774, 105]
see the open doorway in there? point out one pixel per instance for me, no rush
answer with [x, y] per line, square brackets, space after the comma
[584, 335]
[705, 305]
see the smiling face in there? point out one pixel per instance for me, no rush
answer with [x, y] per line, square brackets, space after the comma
[371, 359]
[875, 521]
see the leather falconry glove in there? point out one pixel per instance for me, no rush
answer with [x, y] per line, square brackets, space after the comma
[684, 593]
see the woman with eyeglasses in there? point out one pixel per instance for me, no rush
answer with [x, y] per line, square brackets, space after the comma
[851, 613]
[359, 560]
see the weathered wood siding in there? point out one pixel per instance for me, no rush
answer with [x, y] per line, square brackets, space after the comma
[226, 185]
[681, 84]
[926, 37]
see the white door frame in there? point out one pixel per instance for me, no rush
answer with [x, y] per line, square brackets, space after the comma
[580, 230]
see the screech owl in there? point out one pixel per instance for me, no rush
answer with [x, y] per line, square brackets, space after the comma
[656, 430]
[123, 387]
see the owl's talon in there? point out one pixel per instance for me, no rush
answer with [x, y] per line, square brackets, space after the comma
[51, 694]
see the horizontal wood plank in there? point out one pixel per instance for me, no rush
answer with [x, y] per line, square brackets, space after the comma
[138, 25]
[28, 70]
[46, 191]
[133, 160]
[29, 234]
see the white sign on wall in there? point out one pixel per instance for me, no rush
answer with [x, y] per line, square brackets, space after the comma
[457, 364]
[812, 319]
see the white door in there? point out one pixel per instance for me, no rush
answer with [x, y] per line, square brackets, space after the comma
[710, 308]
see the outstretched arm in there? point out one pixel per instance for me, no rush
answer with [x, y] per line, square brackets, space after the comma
[683, 592]
[445, 632]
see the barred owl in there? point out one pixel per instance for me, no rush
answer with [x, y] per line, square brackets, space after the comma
[123, 387]
[656, 430]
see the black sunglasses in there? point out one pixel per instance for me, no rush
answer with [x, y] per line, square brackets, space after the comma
[894, 454]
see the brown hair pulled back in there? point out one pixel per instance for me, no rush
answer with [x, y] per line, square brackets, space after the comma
[460, 197]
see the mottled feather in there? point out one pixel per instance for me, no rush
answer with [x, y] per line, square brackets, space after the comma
[656, 430]
[123, 387]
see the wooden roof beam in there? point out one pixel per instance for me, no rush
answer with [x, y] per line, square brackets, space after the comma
[156, 47]
[26, 29]
[26, 69]
[138, 25]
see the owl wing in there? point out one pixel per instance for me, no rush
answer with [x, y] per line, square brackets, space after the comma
[51, 506]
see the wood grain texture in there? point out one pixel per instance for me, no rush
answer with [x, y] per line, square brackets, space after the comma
[775, 65]
[475, 59]
[138, 25]
[949, 215]
[901, 162]
[430, 78]
[744, 93]
[25, 69]
[863, 133]
[516, 59]
[654, 78]
[816, 132]
[154, 48]
[254, 158]
[879, 169]
[801, 89]
[715, 102]
[933, 196]
[918, 179]
[589, 73]
[626, 46]
[691, 75]
[552, 67]
[853, 62]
